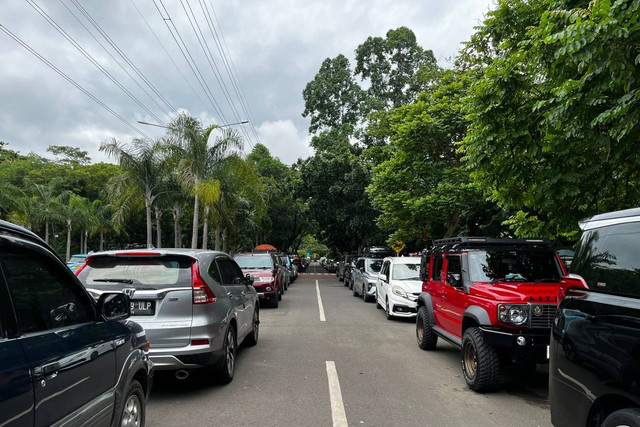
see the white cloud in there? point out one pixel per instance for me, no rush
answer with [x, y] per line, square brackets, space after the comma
[284, 140]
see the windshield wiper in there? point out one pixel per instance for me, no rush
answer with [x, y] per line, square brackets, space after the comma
[129, 281]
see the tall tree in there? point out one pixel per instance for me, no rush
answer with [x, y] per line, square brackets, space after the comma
[189, 146]
[47, 204]
[142, 177]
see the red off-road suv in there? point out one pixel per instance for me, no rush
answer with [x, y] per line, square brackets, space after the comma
[493, 298]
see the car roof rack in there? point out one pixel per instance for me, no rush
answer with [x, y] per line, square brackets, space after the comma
[457, 243]
[377, 252]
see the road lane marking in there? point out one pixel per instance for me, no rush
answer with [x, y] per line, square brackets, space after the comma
[320, 306]
[335, 395]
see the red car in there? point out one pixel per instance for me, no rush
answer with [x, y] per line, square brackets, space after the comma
[494, 298]
[268, 279]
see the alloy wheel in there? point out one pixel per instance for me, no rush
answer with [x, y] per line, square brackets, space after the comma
[470, 359]
[132, 410]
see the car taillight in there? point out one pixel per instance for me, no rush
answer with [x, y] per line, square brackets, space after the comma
[202, 293]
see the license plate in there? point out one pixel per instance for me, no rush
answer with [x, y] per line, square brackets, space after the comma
[142, 308]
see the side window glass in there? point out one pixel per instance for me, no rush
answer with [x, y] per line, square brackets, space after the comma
[436, 274]
[214, 272]
[43, 295]
[229, 271]
[454, 271]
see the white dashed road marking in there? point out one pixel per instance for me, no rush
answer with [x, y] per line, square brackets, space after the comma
[320, 306]
[335, 395]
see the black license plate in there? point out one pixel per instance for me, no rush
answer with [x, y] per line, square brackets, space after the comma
[143, 308]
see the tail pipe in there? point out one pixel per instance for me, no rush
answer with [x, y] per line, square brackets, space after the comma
[182, 374]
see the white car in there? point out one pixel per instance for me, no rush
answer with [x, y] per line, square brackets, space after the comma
[398, 286]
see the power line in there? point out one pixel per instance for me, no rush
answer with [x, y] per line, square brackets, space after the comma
[209, 57]
[70, 80]
[168, 54]
[90, 58]
[189, 58]
[122, 54]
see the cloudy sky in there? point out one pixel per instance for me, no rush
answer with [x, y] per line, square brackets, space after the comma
[272, 48]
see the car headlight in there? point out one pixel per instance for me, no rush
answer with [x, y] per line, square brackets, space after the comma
[397, 290]
[516, 314]
[265, 279]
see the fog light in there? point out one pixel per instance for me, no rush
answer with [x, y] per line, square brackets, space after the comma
[522, 341]
[268, 288]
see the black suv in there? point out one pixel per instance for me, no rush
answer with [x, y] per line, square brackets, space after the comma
[594, 365]
[63, 358]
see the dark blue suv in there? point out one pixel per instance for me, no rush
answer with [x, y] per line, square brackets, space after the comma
[64, 360]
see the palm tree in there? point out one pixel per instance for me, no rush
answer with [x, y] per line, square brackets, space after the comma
[143, 175]
[194, 156]
[72, 209]
[104, 215]
[47, 205]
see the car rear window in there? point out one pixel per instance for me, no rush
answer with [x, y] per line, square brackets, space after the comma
[374, 266]
[254, 262]
[156, 271]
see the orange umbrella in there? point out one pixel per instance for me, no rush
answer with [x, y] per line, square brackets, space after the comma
[265, 248]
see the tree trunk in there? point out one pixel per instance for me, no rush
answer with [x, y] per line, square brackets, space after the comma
[158, 227]
[68, 240]
[224, 240]
[86, 242]
[101, 240]
[149, 228]
[194, 235]
[46, 232]
[217, 235]
[205, 226]
[177, 215]
[453, 223]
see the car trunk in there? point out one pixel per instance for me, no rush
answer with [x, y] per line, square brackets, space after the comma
[160, 290]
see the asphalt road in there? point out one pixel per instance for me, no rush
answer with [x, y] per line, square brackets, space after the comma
[354, 368]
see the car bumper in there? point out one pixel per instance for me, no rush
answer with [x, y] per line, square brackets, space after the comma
[402, 307]
[189, 357]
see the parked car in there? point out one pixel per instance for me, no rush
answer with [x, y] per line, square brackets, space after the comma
[267, 274]
[493, 298]
[65, 359]
[365, 273]
[291, 270]
[76, 262]
[398, 286]
[197, 306]
[343, 267]
[285, 271]
[594, 365]
[349, 272]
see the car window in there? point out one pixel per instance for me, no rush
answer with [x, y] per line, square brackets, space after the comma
[214, 272]
[454, 271]
[374, 266]
[261, 262]
[230, 272]
[44, 297]
[436, 273]
[360, 264]
[406, 271]
[385, 268]
[159, 272]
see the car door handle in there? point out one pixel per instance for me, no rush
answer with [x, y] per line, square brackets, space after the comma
[51, 370]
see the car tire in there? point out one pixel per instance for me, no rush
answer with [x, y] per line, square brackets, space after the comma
[252, 338]
[378, 306]
[387, 311]
[133, 411]
[623, 417]
[480, 361]
[273, 302]
[355, 291]
[228, 367]
[427, 339]
[280, 294]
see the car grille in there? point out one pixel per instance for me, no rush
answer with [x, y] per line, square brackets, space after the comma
[545, 319]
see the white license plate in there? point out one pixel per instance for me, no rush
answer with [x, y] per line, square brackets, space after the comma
[142, 308]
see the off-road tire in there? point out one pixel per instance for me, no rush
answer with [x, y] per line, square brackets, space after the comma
[252, 338]
[230, 349]
[623, 417]
[480, 361]
[133, 412]
[427, 339]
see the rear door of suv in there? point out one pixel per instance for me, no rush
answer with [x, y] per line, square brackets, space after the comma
[70, 354]
[160, 288]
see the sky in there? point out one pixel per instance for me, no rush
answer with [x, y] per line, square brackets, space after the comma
[224, 62]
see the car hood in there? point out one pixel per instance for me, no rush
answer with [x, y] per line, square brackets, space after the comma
[411, 286]
[517, 291]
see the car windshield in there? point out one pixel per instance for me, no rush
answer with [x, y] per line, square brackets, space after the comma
[513, 265]
[374, 266]
[607, 259]
[406, 272]
[161, 271]
[249, 262]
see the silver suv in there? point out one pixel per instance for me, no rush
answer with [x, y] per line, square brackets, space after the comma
[195, 305]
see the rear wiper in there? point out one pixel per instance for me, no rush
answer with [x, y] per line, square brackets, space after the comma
[129, 281]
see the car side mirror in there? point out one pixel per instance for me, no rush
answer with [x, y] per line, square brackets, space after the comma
[382, 277]
[572, 281]
[249, 279]
[114, 306]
